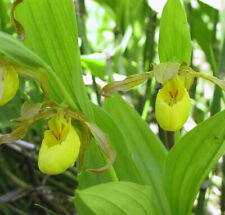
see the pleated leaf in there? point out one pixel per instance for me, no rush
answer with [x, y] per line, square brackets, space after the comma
[51, 32]
[120, 198]
[148, 153]
[124, 165]
[190, 161]
[174, 39]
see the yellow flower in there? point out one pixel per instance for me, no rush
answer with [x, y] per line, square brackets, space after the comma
[60, 146]
[9, 83]
[173, 104]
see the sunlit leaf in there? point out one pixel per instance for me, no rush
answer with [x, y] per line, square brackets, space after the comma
[120, 198]
[51, 32]
[190, 161]
[174, 39]
[96, 63]
[148, 152]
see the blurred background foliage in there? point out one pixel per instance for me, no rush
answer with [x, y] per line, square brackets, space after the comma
[117, 38]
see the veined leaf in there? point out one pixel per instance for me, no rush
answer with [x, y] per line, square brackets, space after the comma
[30, 65]
[96, 63]
[148, 152]
[190, 160]
[124, 165]
[120, 198]
[174, 39]
[51, 32]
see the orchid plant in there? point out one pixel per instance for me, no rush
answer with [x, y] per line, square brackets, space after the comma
[139, 175]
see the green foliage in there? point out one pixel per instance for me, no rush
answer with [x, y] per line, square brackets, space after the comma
[119, 198]
[115, 37]
[51, 32]
[174, 39]
[190, 160]
[147, 150]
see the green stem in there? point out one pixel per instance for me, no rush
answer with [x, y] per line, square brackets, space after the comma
[25, 96]
[148, 54]
[145, 110]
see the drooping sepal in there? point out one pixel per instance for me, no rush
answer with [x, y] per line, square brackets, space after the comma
[59, 128]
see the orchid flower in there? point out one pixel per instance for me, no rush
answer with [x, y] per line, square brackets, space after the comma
[173, 103]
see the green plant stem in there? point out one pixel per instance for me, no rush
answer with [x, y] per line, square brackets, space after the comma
[149, 54]
[98, 94]
[145, 110]
[24, 95]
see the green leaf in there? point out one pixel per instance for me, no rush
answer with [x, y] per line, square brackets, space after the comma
[124, 165]
[51, 32]
[148, 153]
[174, 38]
[190, 161]
[118, 198]
[96, 63]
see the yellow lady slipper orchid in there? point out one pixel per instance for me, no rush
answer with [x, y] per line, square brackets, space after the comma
[173, 104]
[9, 83]
[60, 146]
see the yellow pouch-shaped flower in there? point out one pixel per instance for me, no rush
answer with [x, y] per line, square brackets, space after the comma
[172, 106]
[9, 83]
[60, 146]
